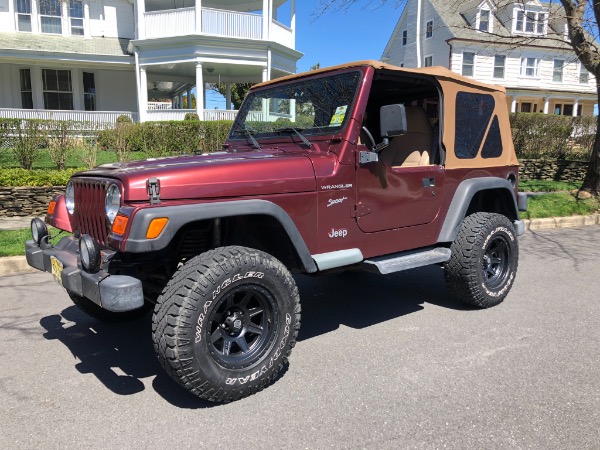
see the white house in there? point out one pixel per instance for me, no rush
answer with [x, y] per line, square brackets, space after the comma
[517, 44]
[98, 59]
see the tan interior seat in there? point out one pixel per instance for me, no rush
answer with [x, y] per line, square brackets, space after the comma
[413, 148]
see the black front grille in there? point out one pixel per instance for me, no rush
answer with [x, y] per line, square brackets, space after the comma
[90, 210]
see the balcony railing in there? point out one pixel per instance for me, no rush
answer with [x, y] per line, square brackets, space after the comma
[179, 114]
[215, 22]
[102, 119]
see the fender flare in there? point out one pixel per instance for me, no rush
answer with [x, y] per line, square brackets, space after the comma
[183, 214]
[462, 198]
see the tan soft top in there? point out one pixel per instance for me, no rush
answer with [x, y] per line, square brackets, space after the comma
[438, 72]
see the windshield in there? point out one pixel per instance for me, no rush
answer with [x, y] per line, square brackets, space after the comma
[316, 106]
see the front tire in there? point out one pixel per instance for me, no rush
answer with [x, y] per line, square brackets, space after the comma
[485, 256]
[226, 323]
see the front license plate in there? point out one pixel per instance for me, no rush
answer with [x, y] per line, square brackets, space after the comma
[57, 268]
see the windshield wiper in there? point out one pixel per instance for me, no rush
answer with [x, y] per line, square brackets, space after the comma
[297, 131]
[249, 135]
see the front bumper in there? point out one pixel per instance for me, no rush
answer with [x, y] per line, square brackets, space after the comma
[117, 293]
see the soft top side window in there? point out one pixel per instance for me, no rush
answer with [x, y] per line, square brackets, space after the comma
[473, 115]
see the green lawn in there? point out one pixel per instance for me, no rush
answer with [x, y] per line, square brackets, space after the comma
[8, 160]
[12, 242]
[547, 186]
[559, 204]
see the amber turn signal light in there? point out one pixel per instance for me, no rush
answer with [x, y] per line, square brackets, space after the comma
[120, 224]
[51, 207]
[156, 227]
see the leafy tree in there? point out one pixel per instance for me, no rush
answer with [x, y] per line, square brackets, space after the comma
[238, 92]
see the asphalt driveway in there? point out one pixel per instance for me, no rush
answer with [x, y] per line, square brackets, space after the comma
[382, 362]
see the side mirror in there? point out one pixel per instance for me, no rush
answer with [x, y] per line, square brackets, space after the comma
[393, 120]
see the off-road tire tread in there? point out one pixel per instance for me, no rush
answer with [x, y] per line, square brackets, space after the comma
[173, 313]
[461, 271]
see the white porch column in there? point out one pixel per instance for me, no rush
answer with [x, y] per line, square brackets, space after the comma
[513, 106]
[143, 95]
[87, 32]
[199, 92]
[189, 98]
[77, 85]
[37, 87]
[265, 106]
[228, 96]
[266, 19]
[293, 23]
[575, 107]
[12, 24]
[198, 16]
[269, 63]
[546, 105]
[140, 6]
[35, 24]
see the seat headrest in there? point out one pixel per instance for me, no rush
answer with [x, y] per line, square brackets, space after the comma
[417, 121]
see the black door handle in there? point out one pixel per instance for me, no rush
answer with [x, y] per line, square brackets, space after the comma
[428, 182]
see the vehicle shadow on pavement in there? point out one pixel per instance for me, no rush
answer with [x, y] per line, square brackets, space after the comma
[361, 299]
[118, 355]
[121, 355]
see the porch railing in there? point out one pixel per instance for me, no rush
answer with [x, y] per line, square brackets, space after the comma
[215, 22]
[170, 22]
[231, 24]
[102, 119]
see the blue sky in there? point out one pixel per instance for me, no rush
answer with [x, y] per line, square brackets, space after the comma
[337, 37]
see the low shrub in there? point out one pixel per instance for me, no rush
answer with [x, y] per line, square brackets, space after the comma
[191, 116]
[37, 177]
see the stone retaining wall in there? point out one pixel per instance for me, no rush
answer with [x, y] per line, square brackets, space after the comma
[552, 170]
[26, 201]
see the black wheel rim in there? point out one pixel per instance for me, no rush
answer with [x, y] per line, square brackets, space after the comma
[496, 262]
[242, 326]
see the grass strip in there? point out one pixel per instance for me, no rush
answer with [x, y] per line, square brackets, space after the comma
[12, 242]
[560, 204]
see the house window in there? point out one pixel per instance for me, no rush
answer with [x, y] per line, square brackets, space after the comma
[557, 73]
[530, 22]
[429, 30]
[468, 64]
[563, 110]
[526, 107]
[76, 14]
[58, 89]
[579, 110]
[50, 16]
[89, 91]
[484, 20]
[584, 75]
[26, 93]
[499, 64]
[24, 15]
[428, 61]
[529, 67]
[404, 37]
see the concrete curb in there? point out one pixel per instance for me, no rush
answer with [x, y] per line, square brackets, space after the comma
[16, 264]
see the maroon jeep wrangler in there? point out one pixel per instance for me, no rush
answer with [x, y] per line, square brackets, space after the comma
[364, 166]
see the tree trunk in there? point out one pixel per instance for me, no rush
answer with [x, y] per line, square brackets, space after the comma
[591, 182]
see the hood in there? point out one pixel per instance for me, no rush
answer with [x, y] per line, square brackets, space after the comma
[213, 175]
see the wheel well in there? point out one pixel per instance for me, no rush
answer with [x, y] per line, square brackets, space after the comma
[493, 200]
[261, 232]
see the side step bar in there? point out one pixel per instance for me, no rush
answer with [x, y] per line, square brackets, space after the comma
[406, 260]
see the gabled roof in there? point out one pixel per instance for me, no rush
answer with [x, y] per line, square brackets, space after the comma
[455, 19]
[28, 42]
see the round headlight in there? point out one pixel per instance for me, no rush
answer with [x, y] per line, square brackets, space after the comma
[112, 202]
[39, 230]
[70, 197]
[90, 253]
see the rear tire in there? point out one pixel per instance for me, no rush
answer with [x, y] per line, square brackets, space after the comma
[226, 323]
[485, 256]
[104, 315]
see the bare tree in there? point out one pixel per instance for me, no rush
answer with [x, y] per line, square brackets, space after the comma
[582, 18]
